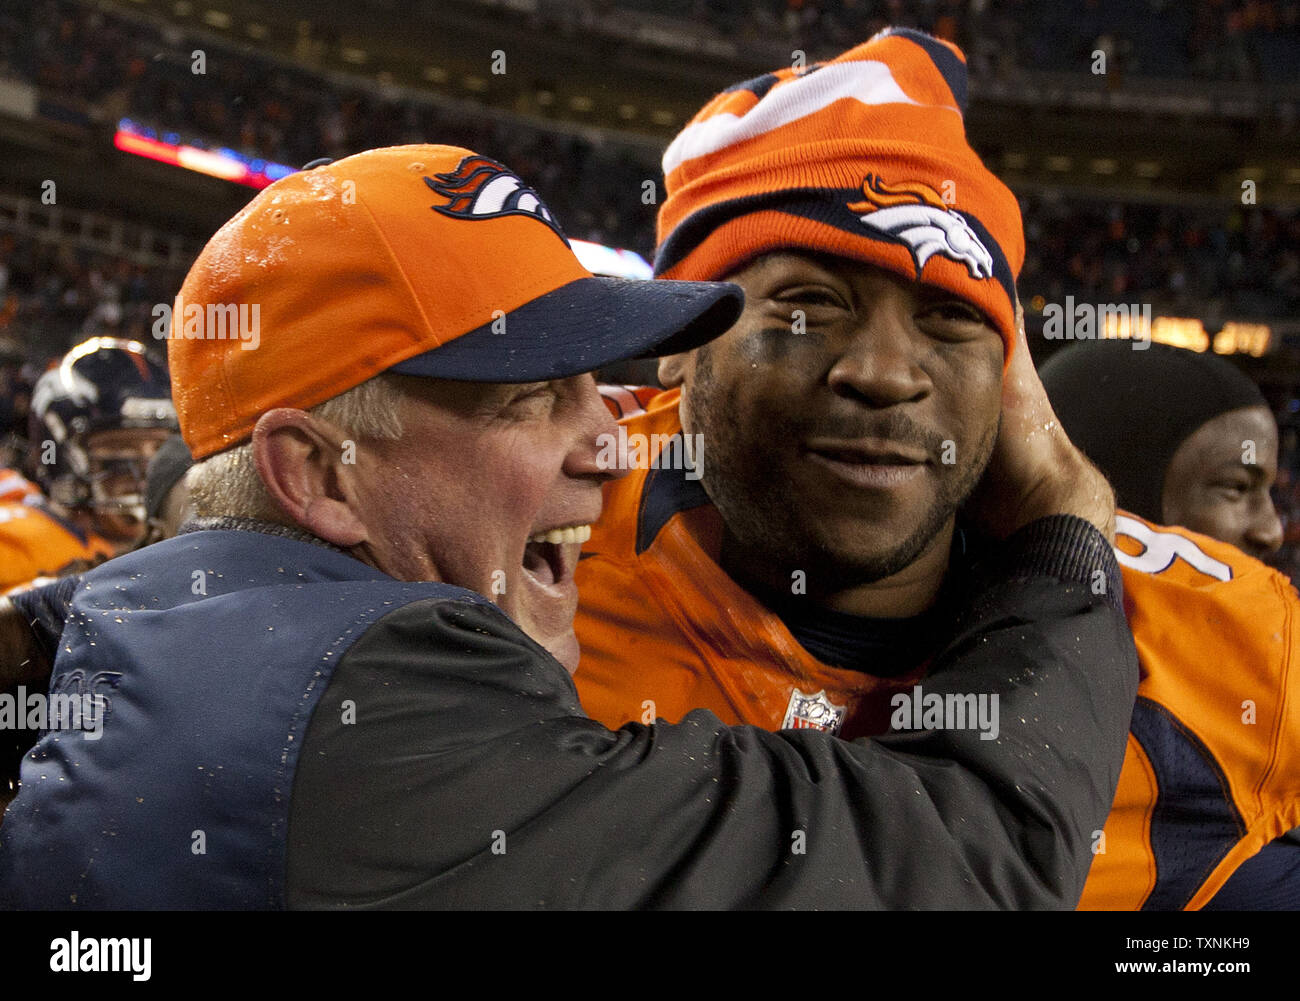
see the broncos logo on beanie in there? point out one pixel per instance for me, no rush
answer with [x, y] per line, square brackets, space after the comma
[865, 157]
[916, 215]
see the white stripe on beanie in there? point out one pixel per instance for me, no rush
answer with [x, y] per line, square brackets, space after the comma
[866, 81]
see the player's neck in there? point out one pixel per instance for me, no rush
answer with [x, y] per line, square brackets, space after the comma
[909, 592]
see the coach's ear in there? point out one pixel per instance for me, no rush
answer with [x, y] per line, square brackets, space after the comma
[673, 369]
[299, 462]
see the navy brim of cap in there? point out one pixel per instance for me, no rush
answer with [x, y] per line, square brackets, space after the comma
[583, 325]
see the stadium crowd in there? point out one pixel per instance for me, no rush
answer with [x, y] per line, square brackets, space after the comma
[1242, 40]
[1240, 260]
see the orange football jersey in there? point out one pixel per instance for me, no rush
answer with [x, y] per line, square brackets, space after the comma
[16, 487]
[1212, 771]
[34, 542]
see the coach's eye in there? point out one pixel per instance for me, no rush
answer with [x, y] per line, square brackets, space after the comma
[534, 397]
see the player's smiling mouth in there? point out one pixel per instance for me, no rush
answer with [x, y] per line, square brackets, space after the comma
[875, 452]
[872, 465]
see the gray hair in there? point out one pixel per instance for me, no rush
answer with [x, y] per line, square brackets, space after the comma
[227, 484]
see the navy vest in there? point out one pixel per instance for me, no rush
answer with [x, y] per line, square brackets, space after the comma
[208, 654]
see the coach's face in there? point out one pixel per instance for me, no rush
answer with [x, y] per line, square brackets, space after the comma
[482, 474]
[490, 487]
[846, 416]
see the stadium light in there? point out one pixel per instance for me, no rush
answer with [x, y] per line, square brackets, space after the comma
[227, 164]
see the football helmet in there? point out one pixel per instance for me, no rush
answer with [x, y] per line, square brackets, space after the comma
[105, 384]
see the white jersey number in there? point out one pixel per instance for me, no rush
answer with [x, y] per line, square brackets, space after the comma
[1160, 549]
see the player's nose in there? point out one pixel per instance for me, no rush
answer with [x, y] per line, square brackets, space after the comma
[880, 365]
[1264, 533]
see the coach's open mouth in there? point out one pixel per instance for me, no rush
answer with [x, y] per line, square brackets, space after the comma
[551, 554]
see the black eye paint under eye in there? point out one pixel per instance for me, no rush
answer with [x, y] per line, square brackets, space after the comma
[774, 343]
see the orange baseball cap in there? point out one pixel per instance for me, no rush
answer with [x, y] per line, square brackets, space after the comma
[421, 260]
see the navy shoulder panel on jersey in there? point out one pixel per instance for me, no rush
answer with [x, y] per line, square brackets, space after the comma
[666, 493]
[1269, 881]
[1195, 822]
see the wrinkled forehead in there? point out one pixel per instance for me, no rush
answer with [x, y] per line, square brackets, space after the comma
[454, 395]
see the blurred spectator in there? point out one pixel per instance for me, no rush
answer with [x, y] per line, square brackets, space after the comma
[1286, 491]
[1242, 261]
[57, 295]
[15, 403]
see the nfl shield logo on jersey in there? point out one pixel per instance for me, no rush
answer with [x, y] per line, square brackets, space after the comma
[813, 712]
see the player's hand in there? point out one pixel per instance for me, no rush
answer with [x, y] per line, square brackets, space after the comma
[1035, 470]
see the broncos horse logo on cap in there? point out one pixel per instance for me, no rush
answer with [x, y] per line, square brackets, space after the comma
[482, 188]
[915, 216]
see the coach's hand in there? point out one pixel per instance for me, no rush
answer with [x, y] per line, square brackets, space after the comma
[1035, 470]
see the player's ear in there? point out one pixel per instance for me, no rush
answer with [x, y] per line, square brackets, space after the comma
[673, 368]
[300, 463]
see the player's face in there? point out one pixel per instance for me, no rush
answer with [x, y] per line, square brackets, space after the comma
[480, 471]
[846, 416]
[1218, 481]
[118, 463]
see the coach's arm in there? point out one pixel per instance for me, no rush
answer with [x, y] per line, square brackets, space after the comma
[467, 777]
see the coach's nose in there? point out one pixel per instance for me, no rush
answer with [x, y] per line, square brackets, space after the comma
[594, 429]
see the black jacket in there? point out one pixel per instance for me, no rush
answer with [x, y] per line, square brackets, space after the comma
[341, 739]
